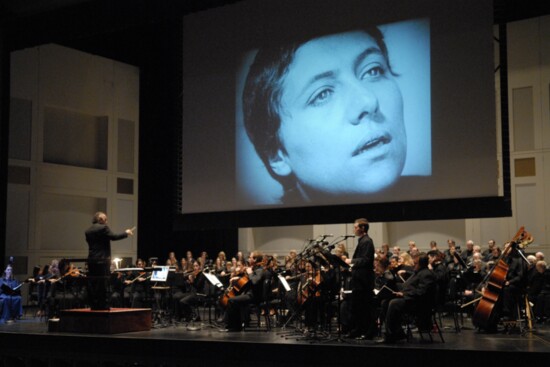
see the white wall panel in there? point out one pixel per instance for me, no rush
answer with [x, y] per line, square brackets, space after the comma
[123, 217]
[17, 222]
[63, 219]
[57, 177]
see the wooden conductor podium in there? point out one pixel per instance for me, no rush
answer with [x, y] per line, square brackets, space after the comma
[112, 321]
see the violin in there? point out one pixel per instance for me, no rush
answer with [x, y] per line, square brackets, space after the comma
[194, 274]
[75, 272]
[71, 273]
[141, 277]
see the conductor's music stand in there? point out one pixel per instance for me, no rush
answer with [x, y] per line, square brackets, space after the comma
[160, 275]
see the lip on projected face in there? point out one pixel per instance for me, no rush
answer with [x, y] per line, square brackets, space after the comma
[373, 144]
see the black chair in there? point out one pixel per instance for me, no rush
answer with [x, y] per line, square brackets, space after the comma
[430, 325]
[524, 316]
[32, 297]
[262, 307]
[424, 315]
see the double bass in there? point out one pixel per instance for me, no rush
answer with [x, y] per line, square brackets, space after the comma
[485, 315]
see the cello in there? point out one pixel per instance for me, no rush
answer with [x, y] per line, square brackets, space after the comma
[238, 287]
[243, 283]
[309, 285]
[485, 315]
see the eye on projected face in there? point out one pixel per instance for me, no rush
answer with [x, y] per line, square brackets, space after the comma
[342, 129]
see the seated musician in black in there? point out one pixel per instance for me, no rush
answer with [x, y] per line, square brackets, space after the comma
[542, 301]
[441, 275]
[515, 285]
[385, 285]
[309, 296]
[197, 283]
[237, 313]
[405, 268]
[139, 286]
[62, 294]
[116, 281]
[471, 279]
[416, 296]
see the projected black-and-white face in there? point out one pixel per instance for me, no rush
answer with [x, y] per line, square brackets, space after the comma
[341, 118]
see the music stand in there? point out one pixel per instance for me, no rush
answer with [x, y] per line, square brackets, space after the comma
[160, 275]
[338, 264]
[217, 284]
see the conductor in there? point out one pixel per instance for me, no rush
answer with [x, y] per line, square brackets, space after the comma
[99, 237]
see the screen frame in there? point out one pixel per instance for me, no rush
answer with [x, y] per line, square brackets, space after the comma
[459, 208]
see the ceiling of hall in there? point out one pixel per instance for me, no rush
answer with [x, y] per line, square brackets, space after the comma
[510, 10]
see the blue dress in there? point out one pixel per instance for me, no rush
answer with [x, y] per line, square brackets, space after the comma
[10, 304]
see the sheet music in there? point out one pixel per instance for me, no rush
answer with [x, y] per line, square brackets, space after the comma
[376, 291]
[129, 269]
[213, 279]
[284, 282]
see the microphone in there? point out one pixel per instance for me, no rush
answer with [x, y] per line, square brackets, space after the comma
[330, 247]
[349, 236]
[327, 235]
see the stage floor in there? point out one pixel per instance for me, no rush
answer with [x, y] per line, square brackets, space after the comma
[29, 342]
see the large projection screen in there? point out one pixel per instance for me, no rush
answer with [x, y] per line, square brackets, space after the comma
[329, 103]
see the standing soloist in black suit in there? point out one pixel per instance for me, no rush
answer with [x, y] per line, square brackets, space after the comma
[99, 237]
[362, 284]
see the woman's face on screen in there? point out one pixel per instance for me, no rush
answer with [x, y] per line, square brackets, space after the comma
[342, 129]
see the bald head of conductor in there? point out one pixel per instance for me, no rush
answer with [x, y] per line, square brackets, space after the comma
[101, 218]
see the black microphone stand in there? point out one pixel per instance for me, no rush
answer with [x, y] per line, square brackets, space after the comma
[338, 264]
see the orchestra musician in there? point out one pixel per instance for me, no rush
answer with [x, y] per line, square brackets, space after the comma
[42, 286]
[309, 296]
[406, 265]
[441, 275]
[516, 283]
[542, 301]
[291, 273]
[117, 287]
[197, 283]
[172, 260]
[386, 284]
[64, 292]
[399, 271]
[138, 285]
[362, 278]
[190, 260]
[345, 296]
[237, 313]
[417, 296]
[99, 237]
[473, 276]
